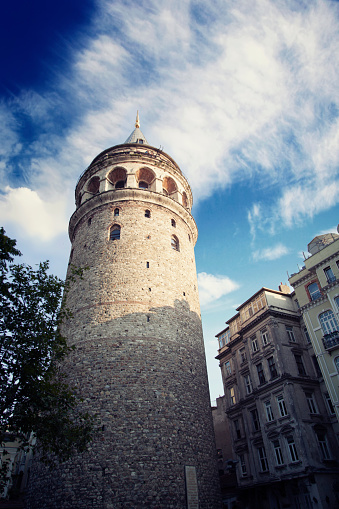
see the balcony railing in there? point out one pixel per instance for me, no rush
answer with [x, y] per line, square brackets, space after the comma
[331, 340]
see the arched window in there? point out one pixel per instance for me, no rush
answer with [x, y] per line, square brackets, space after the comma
[147, 213]
[328, 322]
[93, 185]
[116, 212]
[313, 290]
[175, 243]
[143, 184]
[115, 232]
[184, 200]
[173, 223]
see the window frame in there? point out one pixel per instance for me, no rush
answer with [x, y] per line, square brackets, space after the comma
[281, 405]
[261, 373]
[114, 228]
[254, 344]
[311, 402]
[290, 333]
[272, 367]
[255, 419]
[313, 294]
[175, 245]
[328, 322]
[262, 459]
[228, 368]
[300, 364]
[248, 384]
[265, 339]
[330, 277]
[269, 411]
[292, 449]
[279, 457]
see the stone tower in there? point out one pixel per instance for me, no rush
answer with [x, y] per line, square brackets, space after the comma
[139, 360]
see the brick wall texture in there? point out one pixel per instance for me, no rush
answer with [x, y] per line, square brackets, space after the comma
[139, 361]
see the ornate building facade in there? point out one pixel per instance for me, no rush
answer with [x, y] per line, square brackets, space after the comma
[316, 288]
[139, 360]
[282, 433]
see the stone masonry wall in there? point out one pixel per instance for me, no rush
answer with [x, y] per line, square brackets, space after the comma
[139, 362]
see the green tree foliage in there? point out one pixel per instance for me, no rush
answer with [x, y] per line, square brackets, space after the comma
[34, 393]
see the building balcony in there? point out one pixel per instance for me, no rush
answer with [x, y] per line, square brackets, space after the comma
[331, 340]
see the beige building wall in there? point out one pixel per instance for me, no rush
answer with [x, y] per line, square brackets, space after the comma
[317, 291]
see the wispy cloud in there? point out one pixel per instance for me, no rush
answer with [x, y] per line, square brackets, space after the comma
[234, 91]
[270, 253]
[212, 287]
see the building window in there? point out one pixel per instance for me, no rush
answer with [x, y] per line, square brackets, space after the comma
[316, 366]
[328, 322]
[261, 374]
[322, 441]
[329, 275]
[173, 223]
[336, 300]
[143, 184]
[264, 337]
[278, 453]
[242, 353]
[262, 459]
[147, 213]
[175, 243]
[292, 449]
[228, 369]
[281, 405]
[89, 222]
[237, 428]
[147, 265]
[115, 232]
[232, 396]
[243, 468]
[300, 365]
[116, 212]
[269, 411]
[93, 185]
[307, 336]
[314, 292]
[248, 384]
[255, 346]
[120, 184]
[224, 338]
[255, 419]
[290, 333]
[330, 406]
[312, 406]
[336, 363]
[272, 368]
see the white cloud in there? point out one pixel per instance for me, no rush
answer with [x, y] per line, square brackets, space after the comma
[34, 216]
[234, 91]
[270, 253]
[212, 287]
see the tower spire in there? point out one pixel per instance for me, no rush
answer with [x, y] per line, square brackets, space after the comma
[137, 136]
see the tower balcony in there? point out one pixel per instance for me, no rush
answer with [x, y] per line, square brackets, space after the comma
[331, 340]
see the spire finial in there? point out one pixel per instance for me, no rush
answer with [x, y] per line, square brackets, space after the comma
[137, 122]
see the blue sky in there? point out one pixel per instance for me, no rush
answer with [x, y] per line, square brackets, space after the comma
[243, 94]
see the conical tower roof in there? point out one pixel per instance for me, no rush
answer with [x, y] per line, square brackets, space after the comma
[136, 136]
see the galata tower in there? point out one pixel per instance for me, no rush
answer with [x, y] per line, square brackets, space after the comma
[139, 360]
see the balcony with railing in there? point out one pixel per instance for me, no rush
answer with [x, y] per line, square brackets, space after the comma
[331, 340]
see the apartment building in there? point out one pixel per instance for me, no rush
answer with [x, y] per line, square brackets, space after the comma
[282, 433]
